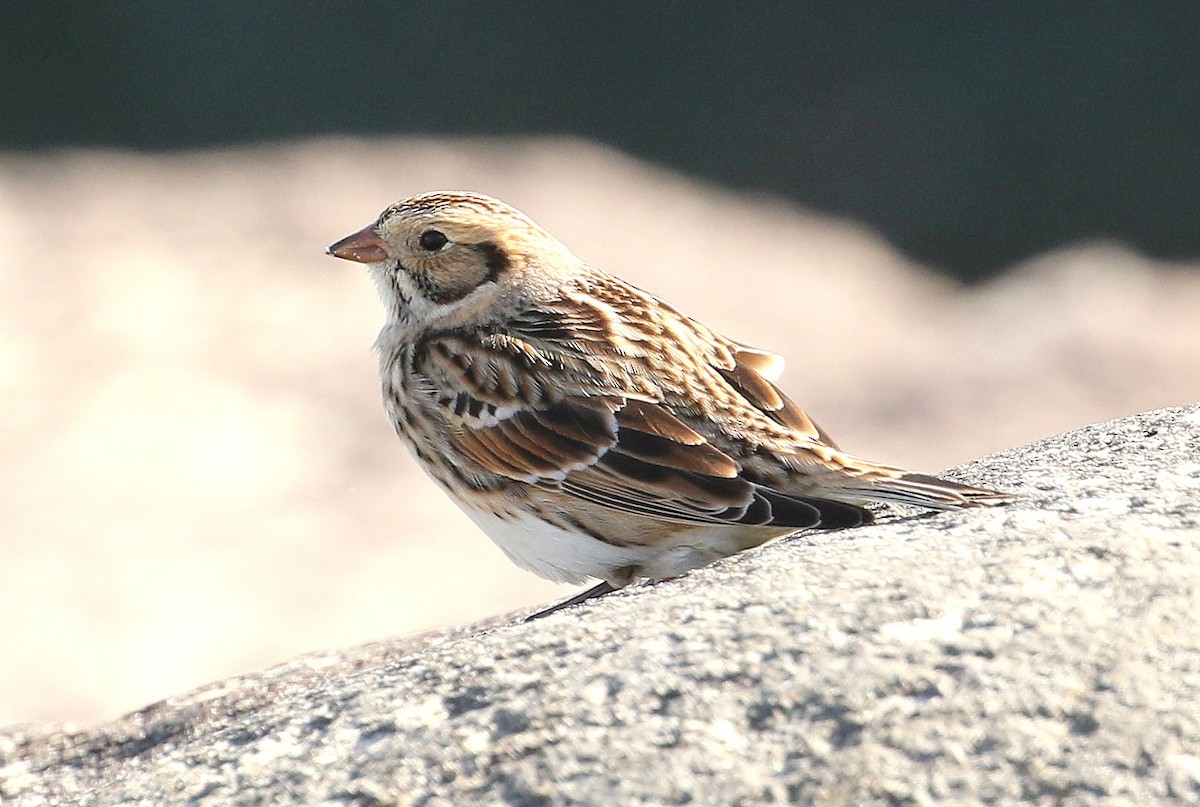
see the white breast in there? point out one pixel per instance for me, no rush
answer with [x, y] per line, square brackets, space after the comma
[570, 556]
[552, 552]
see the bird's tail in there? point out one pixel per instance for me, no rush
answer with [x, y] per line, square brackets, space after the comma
[922, 490]
[882, 483]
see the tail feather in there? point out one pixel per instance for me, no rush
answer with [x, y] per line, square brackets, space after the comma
[922, 490]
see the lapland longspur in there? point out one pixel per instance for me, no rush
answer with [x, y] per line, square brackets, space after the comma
[589, 428]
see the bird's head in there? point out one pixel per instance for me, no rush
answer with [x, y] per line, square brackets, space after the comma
[442, 252]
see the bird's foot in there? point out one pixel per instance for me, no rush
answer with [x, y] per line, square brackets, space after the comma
[593, 592]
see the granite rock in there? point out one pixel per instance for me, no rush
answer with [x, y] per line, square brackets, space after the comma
[1041, 653]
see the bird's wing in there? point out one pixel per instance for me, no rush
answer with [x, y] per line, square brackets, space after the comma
[531, 412]
[752, 374]
[617, 329]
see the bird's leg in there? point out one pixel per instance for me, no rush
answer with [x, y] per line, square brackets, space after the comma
[595, 591]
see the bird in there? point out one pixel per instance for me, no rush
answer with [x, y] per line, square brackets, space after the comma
[589, 428]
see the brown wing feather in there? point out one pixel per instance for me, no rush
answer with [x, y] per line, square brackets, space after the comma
[654, 419]
[610, 447]
[761, 393]
[539, 445]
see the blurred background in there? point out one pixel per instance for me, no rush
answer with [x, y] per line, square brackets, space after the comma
[965, 227]
[969, 136]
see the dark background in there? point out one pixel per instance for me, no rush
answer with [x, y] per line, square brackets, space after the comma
[972, 135]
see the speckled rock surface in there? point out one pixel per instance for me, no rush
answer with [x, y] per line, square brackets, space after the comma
[1042, 653]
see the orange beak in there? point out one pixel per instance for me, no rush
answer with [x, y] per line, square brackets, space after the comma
[365, 246]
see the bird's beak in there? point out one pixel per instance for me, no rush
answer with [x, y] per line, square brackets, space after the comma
[365, 246]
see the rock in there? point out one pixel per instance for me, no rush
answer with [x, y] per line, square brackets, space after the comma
[1041, 653]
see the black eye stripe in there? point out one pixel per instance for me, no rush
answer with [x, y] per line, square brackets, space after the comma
[495, 258]
[449, 282]
[433, 240]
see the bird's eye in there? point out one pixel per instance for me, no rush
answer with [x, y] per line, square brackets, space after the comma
[433, 240]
